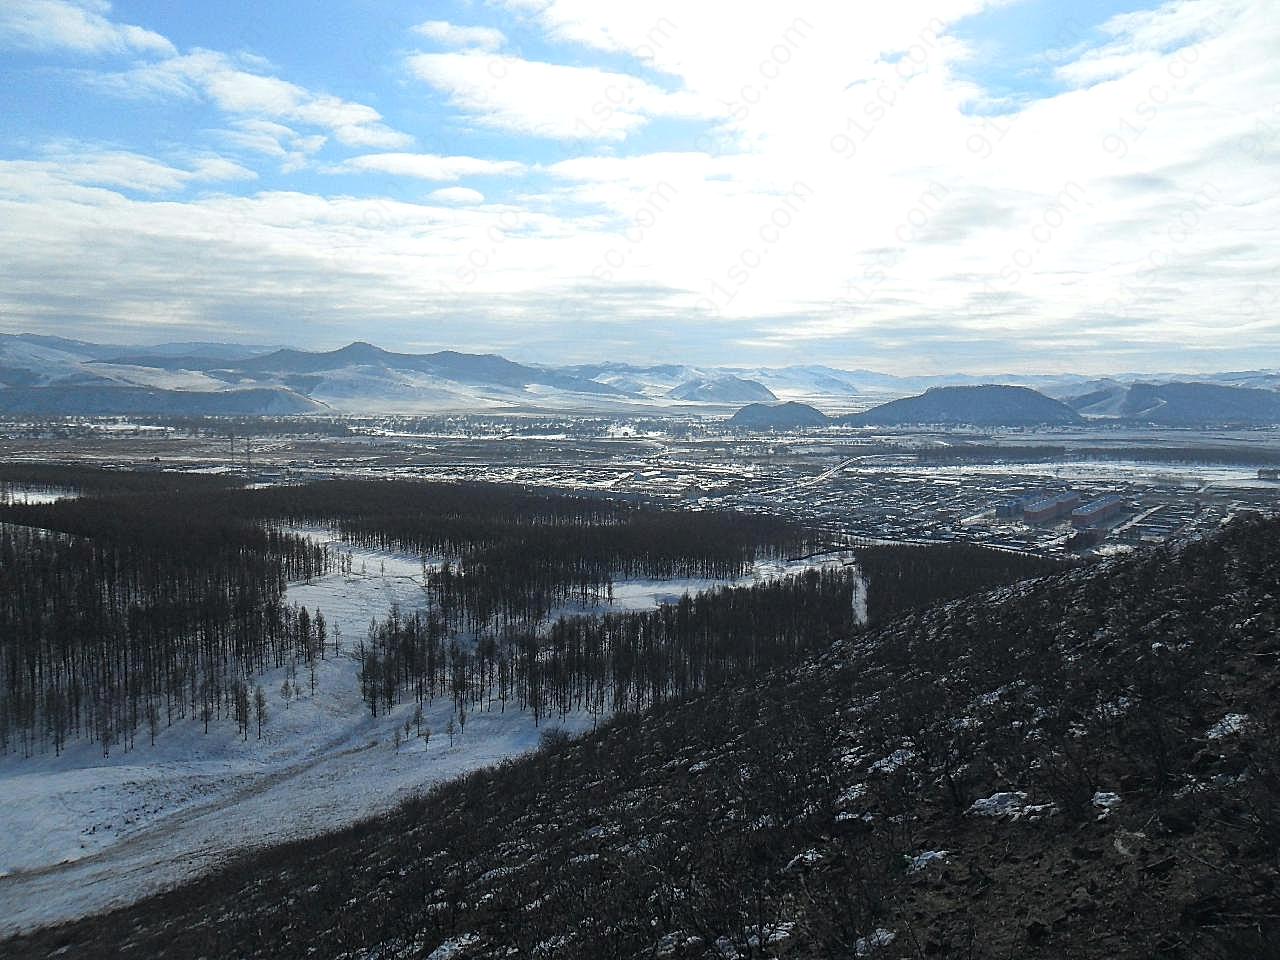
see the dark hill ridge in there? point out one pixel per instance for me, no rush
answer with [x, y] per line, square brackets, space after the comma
[1182, 404]
[778, 416]
[989, 405]
[1081, 766]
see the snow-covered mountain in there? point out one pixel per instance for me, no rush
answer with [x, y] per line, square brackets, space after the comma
[53, 375]
[722, 390]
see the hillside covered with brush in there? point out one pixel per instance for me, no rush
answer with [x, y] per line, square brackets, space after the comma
[1084, 765]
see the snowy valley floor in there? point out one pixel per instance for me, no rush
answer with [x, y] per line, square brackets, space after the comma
[83, 832]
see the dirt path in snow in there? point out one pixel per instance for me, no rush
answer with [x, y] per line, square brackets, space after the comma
[181, 845]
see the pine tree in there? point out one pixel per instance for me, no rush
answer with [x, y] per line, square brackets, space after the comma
[260, 708]
[322, 634]
[240, 693]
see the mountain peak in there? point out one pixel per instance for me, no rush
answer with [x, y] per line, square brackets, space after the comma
[722, 389]
[361, 348]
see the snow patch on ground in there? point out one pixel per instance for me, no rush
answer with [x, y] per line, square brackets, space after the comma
[880, 937]
[648, 594]
[899, 758]
[1232, 723]
[455, 948]
[998, 805]
[852, 794]
[1011, 805]
[806, 859]
[921, 860]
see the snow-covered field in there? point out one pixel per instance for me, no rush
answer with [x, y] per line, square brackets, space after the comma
[83, 832]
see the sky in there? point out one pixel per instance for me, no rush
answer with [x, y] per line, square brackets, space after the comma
[917, 187]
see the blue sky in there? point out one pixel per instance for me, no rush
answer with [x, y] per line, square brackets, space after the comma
[967, 185]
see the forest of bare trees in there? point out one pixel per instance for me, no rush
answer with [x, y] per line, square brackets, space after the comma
[155, 598]
[615, 662]
[125, 612]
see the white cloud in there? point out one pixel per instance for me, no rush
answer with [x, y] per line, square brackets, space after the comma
[81, 27]
[235, 85]
[453, 35]
[216, 169]
[426, 166]
[238, 91]
[548, 99]
[462, 196]
[271, 139]
[1143, 37]
[79, 164]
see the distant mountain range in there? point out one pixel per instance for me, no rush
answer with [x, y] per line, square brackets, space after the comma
[47, 375]
[988, 405]
[466, 368]
[50, 376]
[1180, 404]
[1000, 405]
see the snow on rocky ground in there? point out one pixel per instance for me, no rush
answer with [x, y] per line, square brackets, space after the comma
[83, 832]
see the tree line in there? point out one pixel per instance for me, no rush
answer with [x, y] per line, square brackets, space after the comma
[105, 482]
[512, 556]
